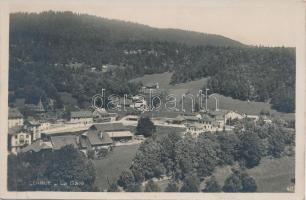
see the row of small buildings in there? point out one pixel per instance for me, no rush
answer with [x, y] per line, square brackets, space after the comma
[30, 134]
[97, 137]
[210, 121]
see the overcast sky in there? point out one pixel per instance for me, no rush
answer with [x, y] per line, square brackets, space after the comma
[256, 22]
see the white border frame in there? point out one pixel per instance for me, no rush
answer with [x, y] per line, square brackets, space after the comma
[300, 127]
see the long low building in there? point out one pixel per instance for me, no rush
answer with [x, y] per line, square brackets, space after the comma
[116, 131]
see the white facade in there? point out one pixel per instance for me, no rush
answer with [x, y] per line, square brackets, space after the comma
[37, 128]
[19, 140]
[15, 122]
[197, 128]
[233, 115]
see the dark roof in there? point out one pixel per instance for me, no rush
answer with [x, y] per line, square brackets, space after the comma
[191, 118]
[206, 118]
[219, 112]
[81, 114]
[84, 142]
[60, 141]
[103, 113]
[32, 123]
[37, 146]
[109, 127]
[14, 113]
[94, 138]
[14, 130]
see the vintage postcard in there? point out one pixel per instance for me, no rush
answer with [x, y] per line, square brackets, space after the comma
[152, 99]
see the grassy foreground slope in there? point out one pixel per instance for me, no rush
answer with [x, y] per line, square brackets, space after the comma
[270, 175]
[109, 168]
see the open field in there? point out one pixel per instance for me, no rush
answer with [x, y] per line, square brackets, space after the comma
[193, 87]
[110, 168]
[271, 175]
[163, 79]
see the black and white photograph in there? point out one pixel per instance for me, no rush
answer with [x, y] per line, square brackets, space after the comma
[154, 96]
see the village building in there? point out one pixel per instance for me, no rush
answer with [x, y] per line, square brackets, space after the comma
[223, 117]
[191, 119]
[59, 142]
[94, 140]
[101, 115]
[150, 88]
[139, 103]
[51, 143]
[81, 117]
[125, 103]
[266, 119]
[116, 131]
[37, 146]
[253, 117]
[207, 123]
[185, 118]
[131, 118]
[36, 127]
[233, 115]
[195, 129]
[15, 118]
[18, 139]
[108, 68]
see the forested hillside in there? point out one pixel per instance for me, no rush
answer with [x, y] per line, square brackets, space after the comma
[55, 52]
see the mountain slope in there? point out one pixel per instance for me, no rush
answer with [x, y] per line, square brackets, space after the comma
[54, 52]
[62, 23]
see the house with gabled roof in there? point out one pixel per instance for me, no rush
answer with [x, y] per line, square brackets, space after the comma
[17, 139]
[38, 145]
[59, 142]
[94, 140]
[101, 115]
[15, 118]
[81, 117]
[116, 131]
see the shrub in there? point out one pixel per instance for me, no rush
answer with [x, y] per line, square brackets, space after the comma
[172, 187]
[125, 179]
[191, 184]
[151, 187]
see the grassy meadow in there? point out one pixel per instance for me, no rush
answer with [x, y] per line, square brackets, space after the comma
[109, 168]
[270, 175]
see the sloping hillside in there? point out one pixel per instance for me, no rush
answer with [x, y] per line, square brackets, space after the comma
[193, 87]
[64, 23]
[54, 52]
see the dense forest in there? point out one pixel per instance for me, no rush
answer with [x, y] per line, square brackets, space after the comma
[54, 52]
